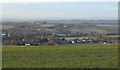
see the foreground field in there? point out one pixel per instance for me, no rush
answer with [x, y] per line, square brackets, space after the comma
[67, 56]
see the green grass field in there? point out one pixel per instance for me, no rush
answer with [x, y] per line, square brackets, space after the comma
[67, 56]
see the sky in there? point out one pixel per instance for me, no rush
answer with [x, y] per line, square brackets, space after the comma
[60, 10]
[10, 1]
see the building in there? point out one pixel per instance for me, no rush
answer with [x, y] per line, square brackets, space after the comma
[3, 34]
[27, 44]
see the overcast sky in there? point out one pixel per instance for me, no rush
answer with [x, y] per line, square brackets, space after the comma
[61, 10]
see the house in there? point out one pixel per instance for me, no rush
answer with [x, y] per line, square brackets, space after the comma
[37, 23]
[78, 41]
[114, 43]
[84, 41]
[35, 44]
[91, 41]
[27, 44]
[73, 42]
[100, 42]
[3, 34]
[65, 26]
[63, 35]
[103, 42]
[23, 39]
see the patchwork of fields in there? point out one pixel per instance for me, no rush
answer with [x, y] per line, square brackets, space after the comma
[67, 56]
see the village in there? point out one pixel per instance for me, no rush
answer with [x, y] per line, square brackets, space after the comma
[44, 33]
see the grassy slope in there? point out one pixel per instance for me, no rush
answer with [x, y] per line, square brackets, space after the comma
[68, 56]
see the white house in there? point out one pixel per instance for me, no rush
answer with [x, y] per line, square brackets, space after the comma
[3, 34]
[27, 44]
[73, 42]
[23, 39]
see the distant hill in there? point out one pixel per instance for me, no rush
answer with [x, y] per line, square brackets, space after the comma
[61, 21]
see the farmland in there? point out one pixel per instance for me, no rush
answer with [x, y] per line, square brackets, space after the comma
[67, 56]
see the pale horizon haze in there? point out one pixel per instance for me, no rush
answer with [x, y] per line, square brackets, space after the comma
[61, 10]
